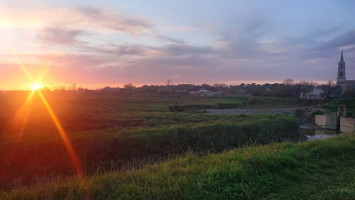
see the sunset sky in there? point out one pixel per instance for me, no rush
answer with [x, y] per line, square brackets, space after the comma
[111, 43]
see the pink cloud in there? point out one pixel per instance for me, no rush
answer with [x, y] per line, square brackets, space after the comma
[60, 36]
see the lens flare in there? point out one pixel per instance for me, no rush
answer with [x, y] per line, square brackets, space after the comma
[69, 147]
[35, 86]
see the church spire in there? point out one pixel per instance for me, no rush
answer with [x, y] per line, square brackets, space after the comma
[341, 79]
[342, 58]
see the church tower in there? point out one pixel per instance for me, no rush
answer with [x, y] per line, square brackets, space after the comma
[341, 79]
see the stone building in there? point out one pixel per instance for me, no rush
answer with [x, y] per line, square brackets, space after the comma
[341, 78]
[315, 93]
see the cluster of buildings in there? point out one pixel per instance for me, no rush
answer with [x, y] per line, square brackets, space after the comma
[204, 92]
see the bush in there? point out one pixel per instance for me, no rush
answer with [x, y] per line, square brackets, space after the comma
[299, 113]
[317, 112]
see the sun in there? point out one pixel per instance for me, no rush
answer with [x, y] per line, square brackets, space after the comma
[35, 86]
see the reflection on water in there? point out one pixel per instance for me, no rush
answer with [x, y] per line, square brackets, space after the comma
[312, 132]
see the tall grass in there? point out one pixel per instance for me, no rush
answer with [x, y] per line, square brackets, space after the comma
[310, 170]
[111, 132]
[121, 148]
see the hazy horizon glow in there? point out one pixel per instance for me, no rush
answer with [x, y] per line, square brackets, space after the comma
[111, 43]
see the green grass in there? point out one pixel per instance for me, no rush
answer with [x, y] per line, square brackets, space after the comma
[111, 132]
[234, 102]
[101, 151]
[114, 132]
[100, 113]
[310, 170]
[332, 105]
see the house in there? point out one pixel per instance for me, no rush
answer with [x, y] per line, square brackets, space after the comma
[315, 93]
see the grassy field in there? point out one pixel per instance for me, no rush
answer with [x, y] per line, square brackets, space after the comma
[115, 137]
[113, 132]
[310, 170]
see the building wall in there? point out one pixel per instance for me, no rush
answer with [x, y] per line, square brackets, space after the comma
[327, 121]
[347, 125]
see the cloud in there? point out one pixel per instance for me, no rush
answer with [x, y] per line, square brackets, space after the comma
[79, 17]
[242, 38]
[183, 49]
[73, 23]
[345, 39]
[250, 27]
[123, 50]
[183, 28]
[61, 36]
[239, 55]
[106, 18]
[170, 39]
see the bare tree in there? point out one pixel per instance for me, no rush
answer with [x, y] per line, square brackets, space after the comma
[288, 81]
[129, 87]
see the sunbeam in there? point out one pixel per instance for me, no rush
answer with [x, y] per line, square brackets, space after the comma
[69, 147]
[19, 123]
[24, 69]
[22, 116]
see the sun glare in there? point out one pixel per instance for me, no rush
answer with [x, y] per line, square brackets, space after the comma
[35, 86]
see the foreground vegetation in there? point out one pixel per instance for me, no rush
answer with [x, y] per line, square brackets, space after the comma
[124, 132]
[112, 133]
[135, 146]
[310, 170]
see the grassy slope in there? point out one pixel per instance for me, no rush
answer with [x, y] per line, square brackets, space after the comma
[310, 170]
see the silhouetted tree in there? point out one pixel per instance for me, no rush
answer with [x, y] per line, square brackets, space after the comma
[129, 87]
[288, 81]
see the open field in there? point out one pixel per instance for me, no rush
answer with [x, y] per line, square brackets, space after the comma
[114, 135]
[310, 170]
[113, 132]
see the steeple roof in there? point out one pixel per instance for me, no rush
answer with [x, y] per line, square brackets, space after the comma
[341, 57]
